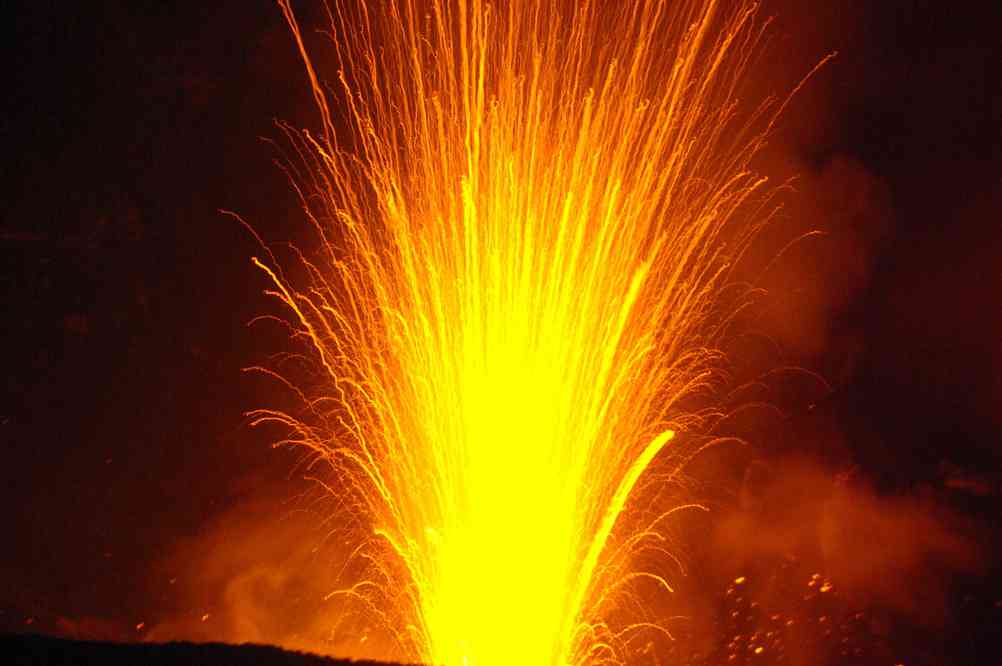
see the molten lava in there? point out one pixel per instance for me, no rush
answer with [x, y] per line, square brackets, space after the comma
[528, 211]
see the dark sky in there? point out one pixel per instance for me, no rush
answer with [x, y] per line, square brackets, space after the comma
[127, 126]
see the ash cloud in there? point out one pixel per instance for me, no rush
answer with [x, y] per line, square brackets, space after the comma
[261, 572]
[883, 474]
[897, 552]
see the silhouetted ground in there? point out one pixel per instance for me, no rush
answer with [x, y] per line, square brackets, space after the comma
[778, 614]
[33, 650]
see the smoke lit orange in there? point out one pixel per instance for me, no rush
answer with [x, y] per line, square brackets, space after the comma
[528, 210]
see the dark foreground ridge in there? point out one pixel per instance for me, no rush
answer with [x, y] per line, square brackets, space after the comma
[35, 650]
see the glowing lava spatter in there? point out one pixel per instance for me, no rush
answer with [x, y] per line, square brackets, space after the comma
[523, 206]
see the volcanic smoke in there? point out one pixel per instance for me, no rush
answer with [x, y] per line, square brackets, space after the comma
[528, 212]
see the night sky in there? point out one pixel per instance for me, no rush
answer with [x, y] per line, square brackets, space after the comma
[128, 126]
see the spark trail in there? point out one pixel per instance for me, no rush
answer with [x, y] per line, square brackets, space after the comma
[527, 210]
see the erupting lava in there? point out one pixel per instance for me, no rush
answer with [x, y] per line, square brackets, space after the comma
[528, 210]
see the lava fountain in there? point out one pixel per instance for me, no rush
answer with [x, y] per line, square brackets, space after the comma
[527, 211]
